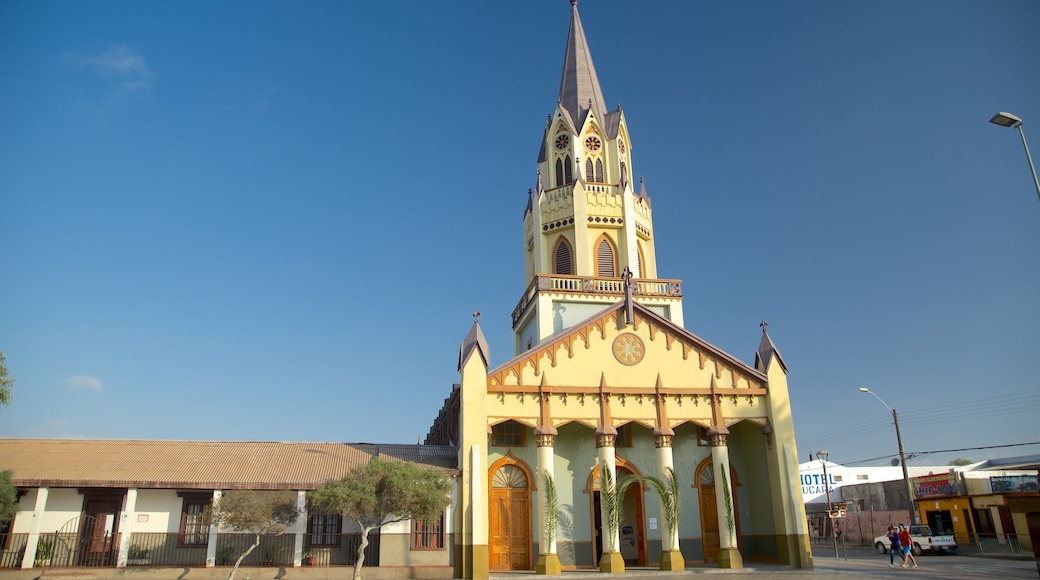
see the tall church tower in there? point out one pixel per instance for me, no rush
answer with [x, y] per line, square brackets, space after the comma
[585, 226]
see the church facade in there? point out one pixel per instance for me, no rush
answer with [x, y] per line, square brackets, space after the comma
[606, 378]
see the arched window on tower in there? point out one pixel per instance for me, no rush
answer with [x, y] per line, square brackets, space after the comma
[606, 264]
[559, 172]
[624, 174]
[588, 169]
[640, 273]
[562, 262]
[568, 169]
[599, 171]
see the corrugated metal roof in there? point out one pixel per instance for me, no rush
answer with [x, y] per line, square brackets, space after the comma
[199, 464]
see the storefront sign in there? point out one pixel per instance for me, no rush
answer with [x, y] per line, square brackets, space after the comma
[935, 486]
[1013, 483]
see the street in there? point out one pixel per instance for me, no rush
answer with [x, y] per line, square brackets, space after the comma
[861, 562]
[869, 562]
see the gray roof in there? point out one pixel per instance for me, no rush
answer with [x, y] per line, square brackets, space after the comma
[1020, 462]
[580, 83]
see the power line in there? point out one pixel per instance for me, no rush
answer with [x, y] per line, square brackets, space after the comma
[919, 453]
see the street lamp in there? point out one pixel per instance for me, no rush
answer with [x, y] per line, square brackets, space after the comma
[1008, 120]
[902, 457]
[822, 455]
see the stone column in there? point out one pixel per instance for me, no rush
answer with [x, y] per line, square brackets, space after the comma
[211, 546]
[610, 560]
[126, 527]
[34, 528]
[671, 556]
[729, 554]
[300, 528]
[548, 559]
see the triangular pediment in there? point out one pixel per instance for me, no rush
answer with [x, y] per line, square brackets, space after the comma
[627, 355]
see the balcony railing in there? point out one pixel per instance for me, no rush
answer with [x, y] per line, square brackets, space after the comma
[593, 285]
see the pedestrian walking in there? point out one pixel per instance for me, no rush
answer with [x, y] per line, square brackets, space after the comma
[894, 546]
[908, 546]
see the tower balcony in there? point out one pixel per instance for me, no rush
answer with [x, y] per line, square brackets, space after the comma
[594, 287]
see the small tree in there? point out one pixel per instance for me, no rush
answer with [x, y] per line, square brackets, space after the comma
[384, 492]
[6, 382]
[247, 511]
[8, 497]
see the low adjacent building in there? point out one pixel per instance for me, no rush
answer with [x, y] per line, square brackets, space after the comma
[118, 503]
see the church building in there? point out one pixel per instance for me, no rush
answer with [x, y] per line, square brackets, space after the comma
[605, 377]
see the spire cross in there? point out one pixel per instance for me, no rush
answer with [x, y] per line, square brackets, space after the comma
[763, 324]
[476, 317]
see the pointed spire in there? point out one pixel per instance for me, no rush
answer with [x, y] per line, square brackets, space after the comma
[642, 191]
[766, 351]
[474, 341]
[579, 85]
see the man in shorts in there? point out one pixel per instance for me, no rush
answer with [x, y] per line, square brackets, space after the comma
[907, 545]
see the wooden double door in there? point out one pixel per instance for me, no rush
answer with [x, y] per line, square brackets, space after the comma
[510, 515]
[710, 537]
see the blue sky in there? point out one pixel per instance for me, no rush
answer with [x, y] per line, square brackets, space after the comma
[273, 220]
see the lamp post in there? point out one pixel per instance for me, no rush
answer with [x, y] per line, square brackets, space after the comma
[902, 457]
[822, 455]
[1008, 120]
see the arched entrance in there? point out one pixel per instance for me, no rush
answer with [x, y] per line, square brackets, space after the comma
[632, 529]
[705, 479]
[510, 514]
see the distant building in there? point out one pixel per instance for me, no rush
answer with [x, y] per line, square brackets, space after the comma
[994, 504]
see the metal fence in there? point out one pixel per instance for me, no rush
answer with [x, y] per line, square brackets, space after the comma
[998, 543]
[162, 549]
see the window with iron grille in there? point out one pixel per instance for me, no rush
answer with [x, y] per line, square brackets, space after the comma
[194, 528]
[324, 530]
[428, 535]
[508, 434]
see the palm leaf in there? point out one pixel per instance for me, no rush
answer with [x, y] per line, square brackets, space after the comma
[552, 509]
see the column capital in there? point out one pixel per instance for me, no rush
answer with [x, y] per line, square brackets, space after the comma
[545, 439]
[662, 440]
[605, 439]
[717, 435]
